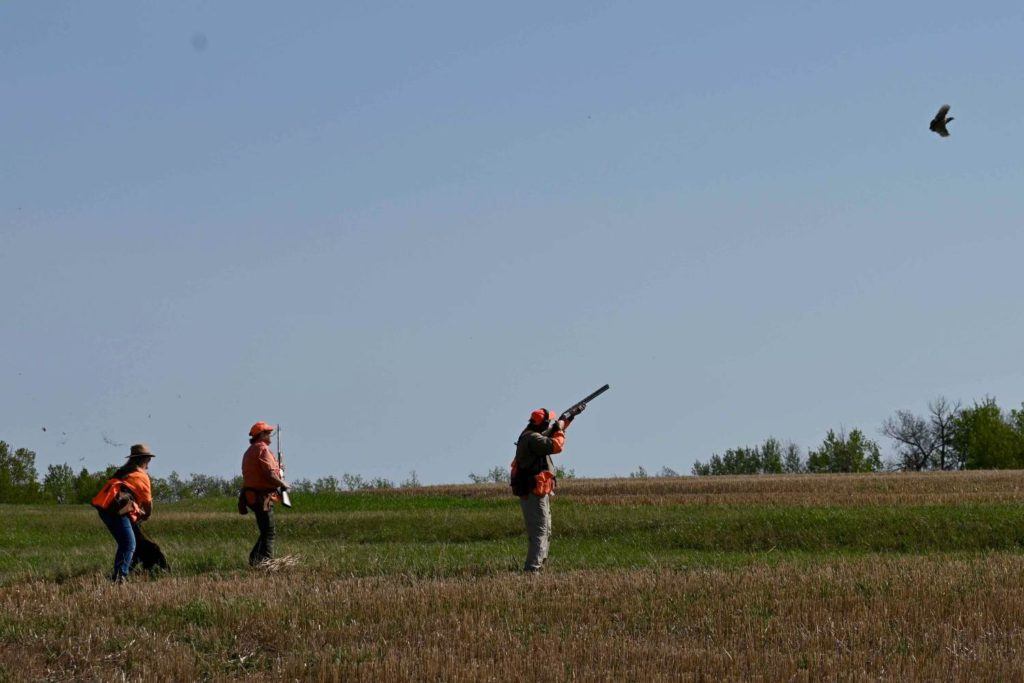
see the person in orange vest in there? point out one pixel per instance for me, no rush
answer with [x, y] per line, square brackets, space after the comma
[261, 481]
[125, 500]
[533, 480]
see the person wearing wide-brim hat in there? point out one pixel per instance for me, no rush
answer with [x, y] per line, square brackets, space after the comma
[125, 500]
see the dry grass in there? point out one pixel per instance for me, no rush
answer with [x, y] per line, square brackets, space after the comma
[278, 564]
[894, 618]
[867, 577]
[897, 488]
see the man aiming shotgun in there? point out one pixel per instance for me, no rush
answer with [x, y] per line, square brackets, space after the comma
[533, 478]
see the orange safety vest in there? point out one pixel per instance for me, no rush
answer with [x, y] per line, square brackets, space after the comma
[544, 483]
[105, 498]
[108, 497]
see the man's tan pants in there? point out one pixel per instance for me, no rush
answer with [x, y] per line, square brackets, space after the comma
[537, 515]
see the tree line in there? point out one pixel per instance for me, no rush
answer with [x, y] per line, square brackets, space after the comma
[20, 483]
[947, 437]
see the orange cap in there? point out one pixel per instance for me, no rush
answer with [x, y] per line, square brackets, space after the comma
[260, 427]
[540, 416]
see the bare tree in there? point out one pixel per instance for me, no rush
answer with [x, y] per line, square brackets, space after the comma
[943, 421]
[924, 442]
[915, 444]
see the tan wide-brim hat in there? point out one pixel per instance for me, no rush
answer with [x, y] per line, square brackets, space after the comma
[140, 450]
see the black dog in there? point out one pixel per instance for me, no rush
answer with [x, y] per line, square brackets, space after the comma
[148, 553]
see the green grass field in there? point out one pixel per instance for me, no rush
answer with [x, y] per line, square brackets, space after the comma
[657, 579]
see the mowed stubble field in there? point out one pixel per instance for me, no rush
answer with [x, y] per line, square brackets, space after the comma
[890, 576]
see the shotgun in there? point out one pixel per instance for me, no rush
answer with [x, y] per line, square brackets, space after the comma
[576, 408]
[286, 500]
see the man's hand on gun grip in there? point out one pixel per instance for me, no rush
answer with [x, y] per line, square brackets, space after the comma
[568, 416]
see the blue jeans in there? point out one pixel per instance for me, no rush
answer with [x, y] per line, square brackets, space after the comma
[123, 530]
[264, 548]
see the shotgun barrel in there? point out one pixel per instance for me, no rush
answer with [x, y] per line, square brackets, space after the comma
[576, 408]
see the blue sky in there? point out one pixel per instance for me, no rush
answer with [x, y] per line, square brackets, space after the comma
[396, 228]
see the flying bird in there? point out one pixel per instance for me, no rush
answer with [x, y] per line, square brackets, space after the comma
[110, 442]
[938, 124]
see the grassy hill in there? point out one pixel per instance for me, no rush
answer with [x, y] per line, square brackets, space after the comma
[885, 576]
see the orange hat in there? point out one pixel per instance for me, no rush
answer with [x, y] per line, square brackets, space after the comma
[260, 427]
[540, 416]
